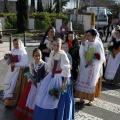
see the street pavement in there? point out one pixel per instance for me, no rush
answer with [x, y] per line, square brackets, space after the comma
[107, 107]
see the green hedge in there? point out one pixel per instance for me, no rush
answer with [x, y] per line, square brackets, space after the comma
[42, 20]
[10, 21]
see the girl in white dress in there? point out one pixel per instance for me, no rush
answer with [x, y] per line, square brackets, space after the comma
[15, 80]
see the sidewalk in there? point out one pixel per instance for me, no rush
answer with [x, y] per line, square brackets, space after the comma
[5, 47]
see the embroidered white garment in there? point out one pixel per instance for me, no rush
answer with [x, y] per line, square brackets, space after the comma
[112, 66]
[88, 76]
[70, 58]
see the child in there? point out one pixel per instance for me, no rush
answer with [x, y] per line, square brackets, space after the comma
[47, 106]
[15, 80]
[66, 48]
[26, 104]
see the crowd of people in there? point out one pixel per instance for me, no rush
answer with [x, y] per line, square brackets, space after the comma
[61, 71]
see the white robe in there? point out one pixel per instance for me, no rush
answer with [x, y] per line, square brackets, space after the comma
[88, 76]
[112, 66]
[11, 77]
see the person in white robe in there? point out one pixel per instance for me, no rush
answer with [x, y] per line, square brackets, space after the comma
[112, 72]
[13, 84]
[90, 67]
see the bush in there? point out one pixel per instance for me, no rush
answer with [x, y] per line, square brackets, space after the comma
[43, 20]
[10, 21]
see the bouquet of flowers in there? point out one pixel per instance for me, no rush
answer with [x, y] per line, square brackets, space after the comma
[26, 72]
[96, 56]
[56, 92]
[11, 59]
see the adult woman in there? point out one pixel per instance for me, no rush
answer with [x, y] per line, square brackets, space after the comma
[113, 66]
[46, 45]
[92, 56]
[74, 52]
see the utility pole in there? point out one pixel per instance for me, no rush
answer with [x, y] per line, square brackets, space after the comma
[76, 13]
[98, 17]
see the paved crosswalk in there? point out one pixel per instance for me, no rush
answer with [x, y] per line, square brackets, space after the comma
[111, 92]
[84, 116]
[104, 107]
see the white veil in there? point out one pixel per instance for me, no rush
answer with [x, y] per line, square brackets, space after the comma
[85, 76]
[22, 47]
[97, 38]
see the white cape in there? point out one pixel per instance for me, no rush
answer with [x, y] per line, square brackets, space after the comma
[112, 67]
[12, 77]
[88, 76]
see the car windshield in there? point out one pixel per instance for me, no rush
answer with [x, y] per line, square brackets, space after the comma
[101, 18]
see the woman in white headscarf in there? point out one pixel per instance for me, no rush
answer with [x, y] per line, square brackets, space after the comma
[15, 81]
[112, 72]
[92, 56]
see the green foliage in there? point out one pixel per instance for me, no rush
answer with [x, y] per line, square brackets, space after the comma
[49, 8]
[44, 20]
[59, 5]
[10, 21]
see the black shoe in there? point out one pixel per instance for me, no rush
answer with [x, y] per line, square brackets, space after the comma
[81, 102]
[1, 41]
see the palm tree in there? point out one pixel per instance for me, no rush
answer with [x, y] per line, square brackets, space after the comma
[6, 6]
[49, 7]
[39, 6]
[59, 5]
[32, 7]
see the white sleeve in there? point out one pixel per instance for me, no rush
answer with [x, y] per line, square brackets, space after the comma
[48, 64]
[71, 61]
[23, 61]
[82, 55]
[46, 67]
[65, 65]
[100, 51]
